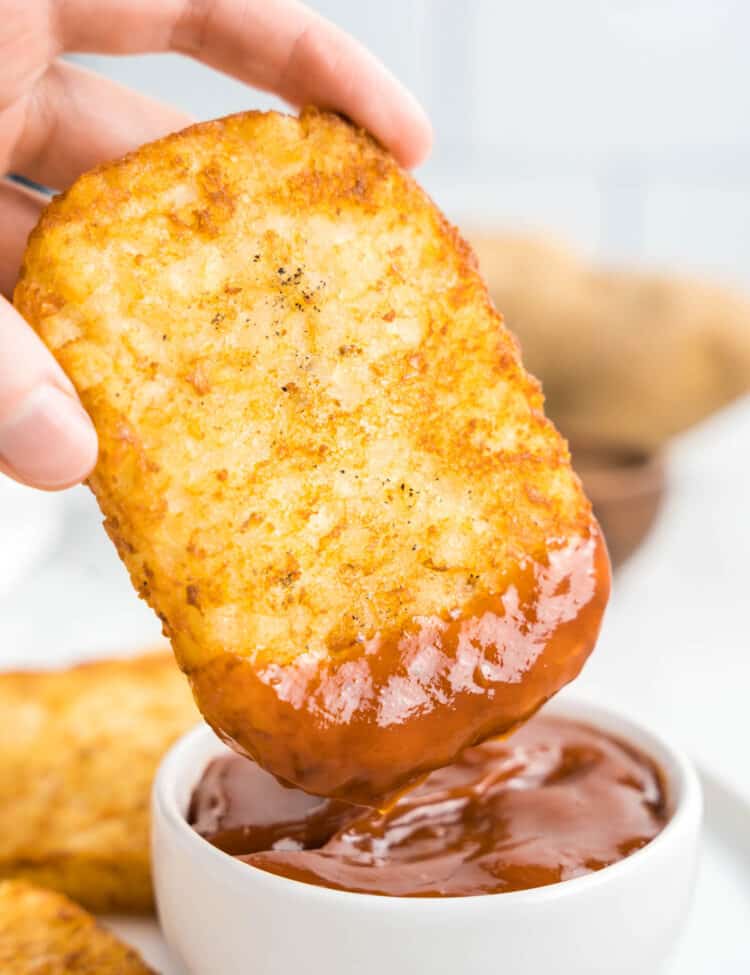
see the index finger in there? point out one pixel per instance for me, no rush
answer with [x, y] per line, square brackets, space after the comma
[279, 46]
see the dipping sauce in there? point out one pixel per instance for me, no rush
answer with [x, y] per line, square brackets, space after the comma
[365, 721]
[555, 801]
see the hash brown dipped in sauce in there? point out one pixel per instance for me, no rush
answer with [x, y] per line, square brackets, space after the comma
[320, 456]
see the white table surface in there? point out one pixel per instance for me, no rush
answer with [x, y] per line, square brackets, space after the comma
[675, 647]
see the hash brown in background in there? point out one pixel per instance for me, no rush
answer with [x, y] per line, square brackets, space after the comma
[44, 933]
[315, 433]
[80, 749]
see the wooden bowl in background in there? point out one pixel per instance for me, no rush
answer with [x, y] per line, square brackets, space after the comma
[626, 487]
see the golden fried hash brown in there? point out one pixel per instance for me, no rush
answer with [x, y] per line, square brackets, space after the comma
[315, 435]
[44, 933]
[78, 757]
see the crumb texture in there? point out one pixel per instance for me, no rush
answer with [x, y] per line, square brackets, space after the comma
[44, 933]
[76, 767]
[313, 424]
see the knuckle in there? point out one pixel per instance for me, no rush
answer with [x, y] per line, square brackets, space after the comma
[191, 27]
[25, 45]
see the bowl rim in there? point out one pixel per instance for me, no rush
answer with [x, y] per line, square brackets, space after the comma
[683, 794]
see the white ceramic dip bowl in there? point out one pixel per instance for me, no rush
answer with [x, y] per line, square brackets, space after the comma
[225, 917]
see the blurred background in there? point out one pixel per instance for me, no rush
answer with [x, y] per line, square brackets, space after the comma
[599, 155]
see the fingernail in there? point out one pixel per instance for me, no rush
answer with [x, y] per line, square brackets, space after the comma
[48, 440]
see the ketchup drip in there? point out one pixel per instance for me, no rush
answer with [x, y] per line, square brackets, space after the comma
[363, 723]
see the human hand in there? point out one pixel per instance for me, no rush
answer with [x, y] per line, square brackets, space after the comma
[58, 120]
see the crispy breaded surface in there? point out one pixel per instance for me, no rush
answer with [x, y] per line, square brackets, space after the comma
[78, 757]
[44, 933]
[314, 427]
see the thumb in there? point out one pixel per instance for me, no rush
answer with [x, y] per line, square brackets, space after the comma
[46, 438]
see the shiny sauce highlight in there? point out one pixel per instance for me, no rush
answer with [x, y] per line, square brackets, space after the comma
[555, 801]
[363, 723]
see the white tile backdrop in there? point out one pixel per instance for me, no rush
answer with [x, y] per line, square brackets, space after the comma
[622, 124]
